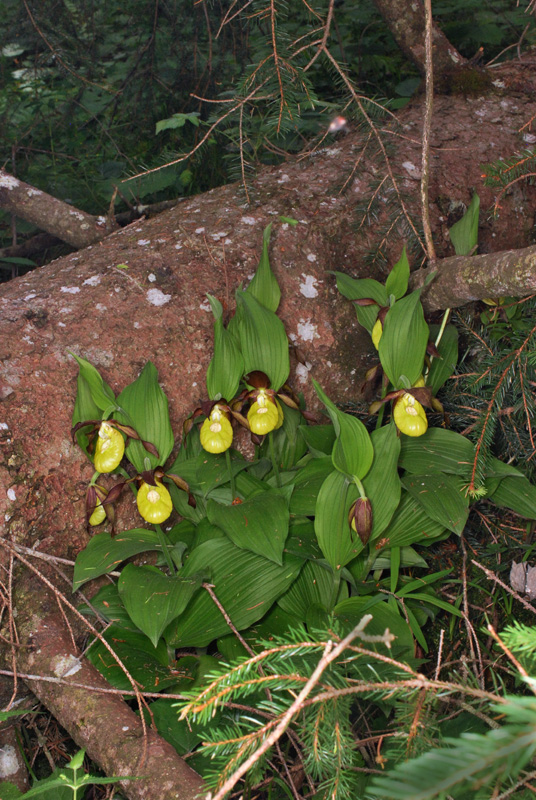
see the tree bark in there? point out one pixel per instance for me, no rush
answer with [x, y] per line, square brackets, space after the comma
[50, 214]
[405, 19]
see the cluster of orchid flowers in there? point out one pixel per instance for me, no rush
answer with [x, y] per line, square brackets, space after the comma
[109, 439]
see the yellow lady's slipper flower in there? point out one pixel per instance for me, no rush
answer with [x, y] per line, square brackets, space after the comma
[376, 333]
[109, 449]
[216, 432]
[410, 416]
[264, 415]
[154, 502]
[99, 514]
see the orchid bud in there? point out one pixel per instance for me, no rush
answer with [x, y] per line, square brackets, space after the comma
[360, 518]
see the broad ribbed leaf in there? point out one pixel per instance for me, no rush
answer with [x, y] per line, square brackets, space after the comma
[517, 494]
[148, 665]
[245, 584]
[319, 439]
[103, 554]
[227, 365]
[153, 599]
[314, 585]
[464, 233]
[397, 280]
[259, 524]
[438, 450]
[307, 484]
[411, 524]
[101, 394]
[84, 408]
[442, 368]
[353, 451]
[263, 340]
[360, 289]
[146, 409]
[442, 498]
[404, 339]
[349, 612]
[264, 286]
[337, 541]
[382, 484]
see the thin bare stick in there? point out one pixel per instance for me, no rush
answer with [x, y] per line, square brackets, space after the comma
[209, 588]
[508, 652]
[491, 575]
[329, 655]
[439, 654]
[427, 126]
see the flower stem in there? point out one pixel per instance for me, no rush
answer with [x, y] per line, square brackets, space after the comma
[164, 546]
[231, 474]
[274, 459]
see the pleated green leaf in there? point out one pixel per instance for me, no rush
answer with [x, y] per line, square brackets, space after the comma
[404, 339]
[360, 289]
[397, 280]
[263, 340]
[353, 451]
[101, 394]
[245, 584]
[410, 524]
[259, 524]
[315, 585]
[153, 599]
[145, 407]
[349, 612]
[464, 233]
[382, 484]
[307, 484]
[442, 368]
[264, 286]
[84, 408]
[103, 553]
[442, 497]
[438, 450]
[337, 541]
[518, 494]
[227, 365]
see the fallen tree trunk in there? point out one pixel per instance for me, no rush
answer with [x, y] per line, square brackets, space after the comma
[141, 294]
[69, 224]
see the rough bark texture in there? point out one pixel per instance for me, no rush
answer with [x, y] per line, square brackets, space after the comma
[405, 19]
[463, 279]
[118, 318]
[50, 214]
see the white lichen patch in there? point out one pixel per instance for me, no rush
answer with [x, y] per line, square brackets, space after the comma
[76, 214]
[151, 277]
[178, 246]
[302, 372]
[70, 289]
[332, 151]
[144, 242]
[11, 494]
[4, 426]
[94, 280]
[307, 331]
[62, 325]
[8, 181]
[9, 761]
[530, 138]
[205, 306]
[227, 241]
[308, 287]
[199, 230]
[157, 298]
[311, 257]
[101, 220]
[30, 296]
[66, 665]
[249, 220]
[136, 325]
[34, 192]
[411, 169]
[101, 307]
[284, 178]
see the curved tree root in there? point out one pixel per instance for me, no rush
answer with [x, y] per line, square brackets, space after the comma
[103, 724]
